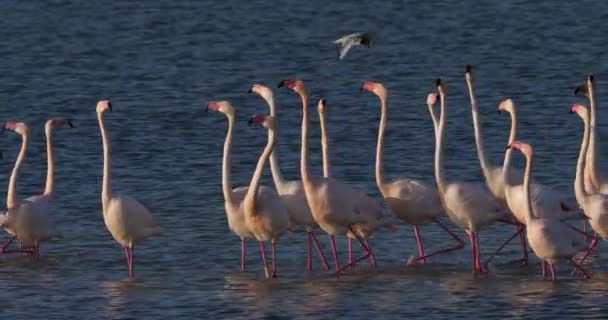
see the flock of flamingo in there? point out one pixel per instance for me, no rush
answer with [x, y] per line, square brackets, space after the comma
[540, 215]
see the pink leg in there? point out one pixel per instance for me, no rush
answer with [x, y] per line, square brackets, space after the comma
[419, 243]
[129, 255]
[309, 261]
[543, 268]
[582, 260]
[263, 252]
[274, 259]
[243, 256]
[587, 236]
[460, 244]
[367, 254]
[132, 267]
[503, 245]
[372, 258]
[522, 238]
[473, 251]
[333, 247]
[350, 252]
[579, 267]
[7, 244]
[320, 251]
[552, 267]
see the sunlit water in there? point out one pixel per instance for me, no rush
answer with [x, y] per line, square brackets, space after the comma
[161, 63]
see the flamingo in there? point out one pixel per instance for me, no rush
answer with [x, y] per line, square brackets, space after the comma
[550, 239]
[413, 201]
[291, 192]
[331, 202]
[233, 198]
[594, 204]
[592, 179]
[266, 215]
[128, 221]
[366, 205]
[29, 220]
[469, 205]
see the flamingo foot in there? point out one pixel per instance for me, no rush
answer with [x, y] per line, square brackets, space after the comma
[320, 251]
[580, 268]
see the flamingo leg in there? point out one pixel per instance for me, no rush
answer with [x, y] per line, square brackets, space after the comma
[243, 256]
[503, 245]
[274, 259]
[350, 252]
[7, 244]
[421, 256]
[368, 251]
[543, 268]
[132, 267]
[372, 258]
[335, 251]
[320, 251]
[586, 235]
[552, 267]
[263, 253]
[522, 239]
[578, 266]
[309, 260]
[594, 243]
[454, 236]
[473, 251]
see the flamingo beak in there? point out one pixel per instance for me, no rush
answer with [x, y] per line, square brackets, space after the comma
[109, 106]
[280, 85]
[69, 122]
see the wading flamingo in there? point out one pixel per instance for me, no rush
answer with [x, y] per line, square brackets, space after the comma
[593, 180]
[469, 205]
[366, 205]
[331, 202]
[291, 192]
[233, 198]
[266, 215]
[594, 204]
[550, 239]
[413, 201]
[128, 221]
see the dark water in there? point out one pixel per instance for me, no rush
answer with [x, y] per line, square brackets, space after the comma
[160, 62]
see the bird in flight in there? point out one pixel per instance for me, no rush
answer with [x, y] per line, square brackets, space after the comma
[351, 40]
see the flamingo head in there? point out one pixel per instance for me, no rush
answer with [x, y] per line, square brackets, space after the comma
[525, 148]
[266, 121]
[506, 106]
[580, 110]
[262, 91]
[220, 106]
[295, 85]
[322, 105]
[19, 127]
[374, 87]
[103, 106]
[582, 90]
[468, 73]
[431, 99]
[441, 87]
[58, 122]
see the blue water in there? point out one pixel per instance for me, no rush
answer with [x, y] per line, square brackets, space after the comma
[160, 62]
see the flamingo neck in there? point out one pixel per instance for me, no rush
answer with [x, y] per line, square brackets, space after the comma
[485, 168]
[506, 166]
[226, 164]
[324, 146]
[434, 118]
[527, 197]
[275, 168]
[579, 184]
[106, 189]
[50, 159]
[306, 178]
[590, 172]
[11, 197]
[254, 185]
[380, 145]
[439, 177]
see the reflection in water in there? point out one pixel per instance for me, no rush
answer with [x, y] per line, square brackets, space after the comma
[117, 295]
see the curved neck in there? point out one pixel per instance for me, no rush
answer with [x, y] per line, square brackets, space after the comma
[306, 178]
[527, 197]
[506, 165]
[579, 184]
[106, 189]
[590, 168]
[226, 164]
[50, 163]
[485, 168]
[11, 197]
[380, 145]
[277, 175]
[324, 146]
[433, 117]
[254, 185]
[440, 179]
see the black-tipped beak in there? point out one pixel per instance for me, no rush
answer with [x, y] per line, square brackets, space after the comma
[499, 111]
[438, 82]
[571, 111]
[468, 68]
[323, 102]
[250, 122]
[508, 147]
[250, 90]
[109, 106]
[591, 79]
[280, 84]
[207, 109]
[70, 124]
